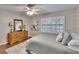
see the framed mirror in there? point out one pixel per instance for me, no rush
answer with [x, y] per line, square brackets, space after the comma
[18, 24]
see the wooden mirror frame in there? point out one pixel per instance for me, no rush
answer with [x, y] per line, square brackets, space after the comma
[15, 24]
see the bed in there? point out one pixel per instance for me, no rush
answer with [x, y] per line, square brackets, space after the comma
[45, 43]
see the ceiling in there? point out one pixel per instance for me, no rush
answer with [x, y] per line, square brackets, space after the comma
[45, 8]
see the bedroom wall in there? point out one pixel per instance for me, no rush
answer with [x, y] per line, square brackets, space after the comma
[70, 19]
[5, 18]
[77, 21]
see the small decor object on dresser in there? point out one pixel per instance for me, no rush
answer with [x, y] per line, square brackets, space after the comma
[11, 26]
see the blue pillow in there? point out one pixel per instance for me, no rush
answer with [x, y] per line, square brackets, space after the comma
[67, 37]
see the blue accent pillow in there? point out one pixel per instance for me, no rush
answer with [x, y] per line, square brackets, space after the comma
[67, 37]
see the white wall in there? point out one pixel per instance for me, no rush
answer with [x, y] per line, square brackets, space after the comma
[70, 19]
[5, 18]
[77, 20]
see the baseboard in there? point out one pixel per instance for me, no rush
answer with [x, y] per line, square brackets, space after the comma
[3, 43]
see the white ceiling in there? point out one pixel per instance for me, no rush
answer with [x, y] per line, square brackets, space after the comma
[45, 8]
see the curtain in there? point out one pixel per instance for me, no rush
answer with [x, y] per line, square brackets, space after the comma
[53, 24]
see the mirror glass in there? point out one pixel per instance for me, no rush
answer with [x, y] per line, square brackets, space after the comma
[18, 24]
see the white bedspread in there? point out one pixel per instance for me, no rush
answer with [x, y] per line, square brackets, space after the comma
[46, 44]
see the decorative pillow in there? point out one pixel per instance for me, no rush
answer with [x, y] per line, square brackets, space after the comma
[74, 43]
[67, 37]
[59, 37]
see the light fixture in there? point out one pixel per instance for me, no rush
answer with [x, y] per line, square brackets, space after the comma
[30, 10]
[30, 13]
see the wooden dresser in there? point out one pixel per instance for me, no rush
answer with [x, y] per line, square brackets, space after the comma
[17, 36]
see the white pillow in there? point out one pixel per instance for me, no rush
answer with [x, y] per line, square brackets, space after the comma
[74, 43]
[59, 37]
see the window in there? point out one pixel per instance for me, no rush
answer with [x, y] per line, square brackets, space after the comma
[53, 24]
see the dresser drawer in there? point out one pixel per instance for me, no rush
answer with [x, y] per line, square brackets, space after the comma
[17, 36]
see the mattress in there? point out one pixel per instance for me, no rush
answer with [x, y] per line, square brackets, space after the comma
[45, 43]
